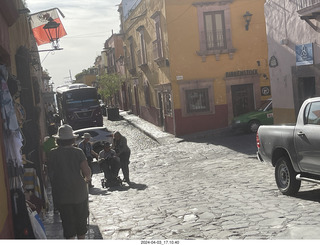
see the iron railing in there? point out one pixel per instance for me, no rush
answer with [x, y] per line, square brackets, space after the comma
[213, 40]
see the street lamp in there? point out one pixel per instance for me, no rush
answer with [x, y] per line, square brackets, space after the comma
[247, 17]
[52, 31]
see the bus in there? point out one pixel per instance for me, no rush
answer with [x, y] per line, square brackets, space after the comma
[79, 106]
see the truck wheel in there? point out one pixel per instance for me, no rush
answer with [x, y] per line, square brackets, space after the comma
[286, 177]
[253, 126]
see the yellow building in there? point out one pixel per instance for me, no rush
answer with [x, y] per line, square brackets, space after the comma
[196, 64]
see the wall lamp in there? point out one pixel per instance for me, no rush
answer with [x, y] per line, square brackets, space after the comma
[52, 31]
[247, 17]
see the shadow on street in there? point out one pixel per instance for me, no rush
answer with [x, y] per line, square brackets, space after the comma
[234, 140]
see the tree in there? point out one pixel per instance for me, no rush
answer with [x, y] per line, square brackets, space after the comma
[110, 85]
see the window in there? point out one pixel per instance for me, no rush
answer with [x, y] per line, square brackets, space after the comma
[312, 113]
[132, 63]
[157, 43]
[142, 54]
[215, 30]
[197, 100]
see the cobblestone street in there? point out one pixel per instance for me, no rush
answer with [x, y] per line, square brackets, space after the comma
[206, 188]
[199, 187]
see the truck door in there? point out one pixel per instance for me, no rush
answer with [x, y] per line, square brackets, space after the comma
[307, 139]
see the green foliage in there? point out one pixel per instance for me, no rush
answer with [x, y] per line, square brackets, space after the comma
[89, 71]
[109, 85]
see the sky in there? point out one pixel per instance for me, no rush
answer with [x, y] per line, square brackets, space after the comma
[88, 23]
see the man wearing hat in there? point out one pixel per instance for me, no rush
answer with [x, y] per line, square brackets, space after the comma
[86, 146]
[69, 172]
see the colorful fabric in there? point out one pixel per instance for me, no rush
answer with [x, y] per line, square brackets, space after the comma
[31, 181]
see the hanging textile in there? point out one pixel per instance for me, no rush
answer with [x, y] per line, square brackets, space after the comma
[31, 181]
[12, 136]
[12, 139]
[6, 103]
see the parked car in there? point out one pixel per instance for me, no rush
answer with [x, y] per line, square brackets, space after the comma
[99, 135]
[293, 149]
[251, 121]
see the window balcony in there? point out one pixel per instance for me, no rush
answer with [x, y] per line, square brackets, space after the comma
[131, 68]
[308, 8]
[141, 59]
[304, 4]
[158, 54]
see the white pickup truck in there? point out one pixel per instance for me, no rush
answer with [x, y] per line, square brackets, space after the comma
[294, 150]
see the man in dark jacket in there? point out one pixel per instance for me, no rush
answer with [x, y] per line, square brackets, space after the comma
[123, 152]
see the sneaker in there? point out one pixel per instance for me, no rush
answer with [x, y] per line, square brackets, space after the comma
[91, 185]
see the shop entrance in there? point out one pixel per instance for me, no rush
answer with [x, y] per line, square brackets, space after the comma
[306, 88]
[242, 99]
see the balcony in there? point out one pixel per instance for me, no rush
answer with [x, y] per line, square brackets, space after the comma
[158, 54]
[304, 4]
[309, 10]
[142, 61]
[131, 66]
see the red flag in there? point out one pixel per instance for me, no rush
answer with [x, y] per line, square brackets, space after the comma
[39, 20]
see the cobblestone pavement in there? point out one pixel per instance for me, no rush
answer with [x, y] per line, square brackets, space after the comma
[208, 186]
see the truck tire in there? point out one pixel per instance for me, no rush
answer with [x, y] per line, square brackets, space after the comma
[253, 126]
[286, 177]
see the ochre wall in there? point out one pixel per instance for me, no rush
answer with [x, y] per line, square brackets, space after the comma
[250, 45]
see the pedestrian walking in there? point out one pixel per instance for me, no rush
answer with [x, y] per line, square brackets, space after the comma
[123, 152]
[86, 146]
[69, 172]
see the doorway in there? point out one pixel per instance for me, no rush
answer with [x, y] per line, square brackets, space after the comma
[242, 99]
[306, 88]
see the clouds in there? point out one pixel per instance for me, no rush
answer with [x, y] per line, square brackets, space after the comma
[88, 24]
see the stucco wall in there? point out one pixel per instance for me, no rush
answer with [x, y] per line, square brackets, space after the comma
[285, 30]
[183, 32]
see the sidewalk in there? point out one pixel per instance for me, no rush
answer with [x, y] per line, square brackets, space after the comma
[160, 136]
[153, 131]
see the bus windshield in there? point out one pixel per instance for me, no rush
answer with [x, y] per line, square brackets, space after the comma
[81, 98]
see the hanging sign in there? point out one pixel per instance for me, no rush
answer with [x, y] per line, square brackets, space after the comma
[304, 54]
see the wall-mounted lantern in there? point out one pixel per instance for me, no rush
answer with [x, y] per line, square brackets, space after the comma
[247, 17]
[52, 32]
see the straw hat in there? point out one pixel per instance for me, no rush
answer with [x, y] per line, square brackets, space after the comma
[65, 132]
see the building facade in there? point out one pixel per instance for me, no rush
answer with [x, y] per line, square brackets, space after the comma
[19, 59]
[293, 40]
[194, 65]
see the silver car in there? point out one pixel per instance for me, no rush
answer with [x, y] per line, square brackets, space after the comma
[99, 135]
